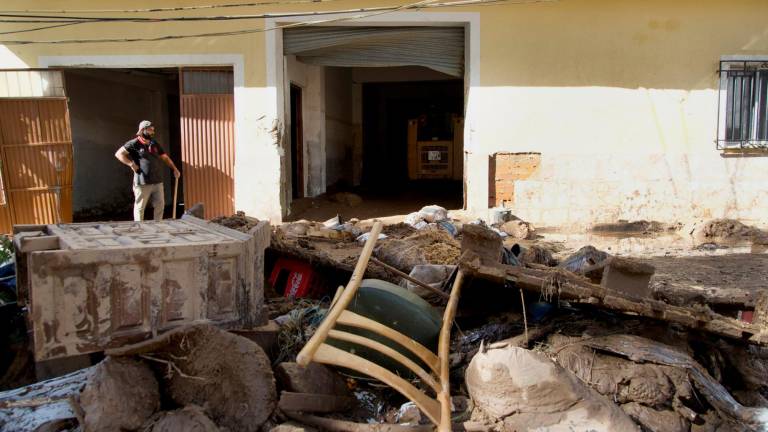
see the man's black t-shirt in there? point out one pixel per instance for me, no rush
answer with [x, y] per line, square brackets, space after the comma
[147, 157]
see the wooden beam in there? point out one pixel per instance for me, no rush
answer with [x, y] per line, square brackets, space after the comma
[561, 284]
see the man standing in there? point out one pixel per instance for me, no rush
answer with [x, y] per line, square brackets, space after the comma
[143, 155]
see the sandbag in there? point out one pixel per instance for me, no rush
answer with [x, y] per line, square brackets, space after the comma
[524, 390]
[433, 275]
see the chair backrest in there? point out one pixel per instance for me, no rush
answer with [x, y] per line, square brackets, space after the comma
[438, 408]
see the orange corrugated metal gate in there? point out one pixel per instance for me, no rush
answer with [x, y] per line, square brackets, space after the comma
[207, 139]
[35, 149]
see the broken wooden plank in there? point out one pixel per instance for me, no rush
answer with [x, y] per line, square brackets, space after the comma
[28, 408]
[562, 284]
[313, 402]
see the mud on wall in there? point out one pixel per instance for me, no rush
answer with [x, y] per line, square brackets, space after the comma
[621, 100]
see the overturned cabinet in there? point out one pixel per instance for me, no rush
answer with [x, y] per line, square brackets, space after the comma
[94, 286]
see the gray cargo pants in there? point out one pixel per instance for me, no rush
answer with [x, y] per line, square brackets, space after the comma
[143, 193]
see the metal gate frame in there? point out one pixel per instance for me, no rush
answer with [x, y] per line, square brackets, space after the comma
[208, 148]
[36, 176]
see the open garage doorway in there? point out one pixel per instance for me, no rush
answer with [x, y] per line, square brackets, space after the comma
[412, 140]
[193, 113]
[382, 120]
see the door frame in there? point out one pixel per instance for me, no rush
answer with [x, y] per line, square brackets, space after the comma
[475, 163]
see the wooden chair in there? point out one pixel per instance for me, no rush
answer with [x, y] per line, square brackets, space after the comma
[437, 377]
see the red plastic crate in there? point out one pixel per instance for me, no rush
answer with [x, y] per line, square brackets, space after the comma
[294, 278]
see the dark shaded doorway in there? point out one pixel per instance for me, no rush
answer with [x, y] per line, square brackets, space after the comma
[106, 106]
[387, 110]
[297, 144]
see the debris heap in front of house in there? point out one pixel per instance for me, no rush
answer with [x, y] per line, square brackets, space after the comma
[548, 334]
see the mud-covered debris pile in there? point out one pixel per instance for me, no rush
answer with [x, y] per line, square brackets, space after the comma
[427, 246]
[722, 232]
[238, 221]
[569, 351]
[191, 377]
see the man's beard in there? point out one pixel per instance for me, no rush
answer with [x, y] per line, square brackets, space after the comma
[147, 135]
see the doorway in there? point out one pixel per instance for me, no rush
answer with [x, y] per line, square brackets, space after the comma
[297, 144]
[193, 111]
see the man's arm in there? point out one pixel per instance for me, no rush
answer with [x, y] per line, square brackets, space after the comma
[122, 155]
[170, 164]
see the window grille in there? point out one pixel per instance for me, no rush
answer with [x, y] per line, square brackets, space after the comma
[743, 105]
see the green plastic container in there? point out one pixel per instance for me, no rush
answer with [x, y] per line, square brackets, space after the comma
[399, 309]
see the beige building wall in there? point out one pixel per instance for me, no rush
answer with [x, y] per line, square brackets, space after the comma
[619, 97]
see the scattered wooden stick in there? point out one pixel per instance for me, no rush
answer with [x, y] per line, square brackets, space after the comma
[30, 403]
[525, 317]
[410, 279]
[171, 367]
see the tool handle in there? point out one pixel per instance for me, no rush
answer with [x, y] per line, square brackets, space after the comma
[175, 192]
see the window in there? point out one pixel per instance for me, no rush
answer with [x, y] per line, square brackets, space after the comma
[743, 105]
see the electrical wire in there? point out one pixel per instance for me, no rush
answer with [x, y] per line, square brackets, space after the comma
[169, 9]
[18, 18]
[262, 16]
[227, 33]
[40, 28]
[368, 12]
[55, 19]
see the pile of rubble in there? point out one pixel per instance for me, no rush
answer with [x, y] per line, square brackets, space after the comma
[544, 339]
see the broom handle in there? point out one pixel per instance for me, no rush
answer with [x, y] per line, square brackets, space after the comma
[175, 191]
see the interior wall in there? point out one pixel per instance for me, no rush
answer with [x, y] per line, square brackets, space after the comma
[387, 107]
[339, 127]
[105, 108]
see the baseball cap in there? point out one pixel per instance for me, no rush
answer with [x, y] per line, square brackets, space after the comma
[143, 125]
